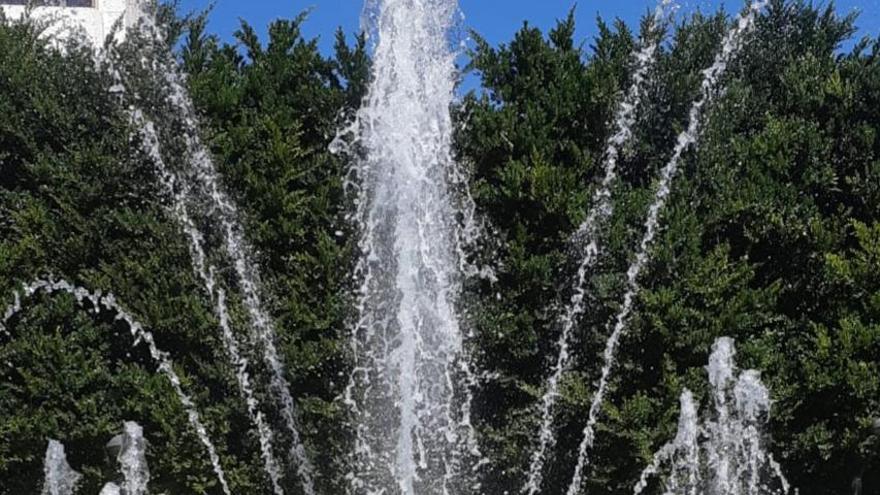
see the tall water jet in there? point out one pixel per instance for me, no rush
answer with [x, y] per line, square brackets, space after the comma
[729, 47]
[98, 300]
[133, 460]
[59, 477]
[409, 388]
[587, 236]
[727, 452]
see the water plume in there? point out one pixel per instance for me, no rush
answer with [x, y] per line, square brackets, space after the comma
[409, 391]
[59, 477]
[110, 489]
[727, 452]
[711, 76]
[684, 451]
[98, 300]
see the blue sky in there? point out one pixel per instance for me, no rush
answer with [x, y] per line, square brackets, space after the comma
[497, 20]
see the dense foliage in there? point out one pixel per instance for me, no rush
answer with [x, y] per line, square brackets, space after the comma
[773, 219]
[772, 237]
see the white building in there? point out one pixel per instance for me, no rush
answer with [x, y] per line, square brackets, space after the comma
[95, 18]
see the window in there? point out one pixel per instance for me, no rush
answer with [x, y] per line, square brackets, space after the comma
[55, 3]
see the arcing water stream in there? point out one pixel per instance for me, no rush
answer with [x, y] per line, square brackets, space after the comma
[408, 391]
[730, 45]
[588, 234]
[246, 272]
[98, 301]
[183, 192]
[206, 272]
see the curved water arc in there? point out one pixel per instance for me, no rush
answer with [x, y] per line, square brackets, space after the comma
[161, 358]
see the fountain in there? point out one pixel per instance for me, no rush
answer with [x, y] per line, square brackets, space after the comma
[727, 453]
[60, 478]
[408, 391]
[410, 387]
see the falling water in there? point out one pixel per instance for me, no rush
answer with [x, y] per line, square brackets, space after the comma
[163, 361]
[711, 76]
[205, 175]
[727, 453]
[133, 460]
[408, 391]
[753, 403]
[60, 478]
[587, 234]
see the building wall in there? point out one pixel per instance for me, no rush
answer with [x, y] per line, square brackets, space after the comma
[96, 22]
